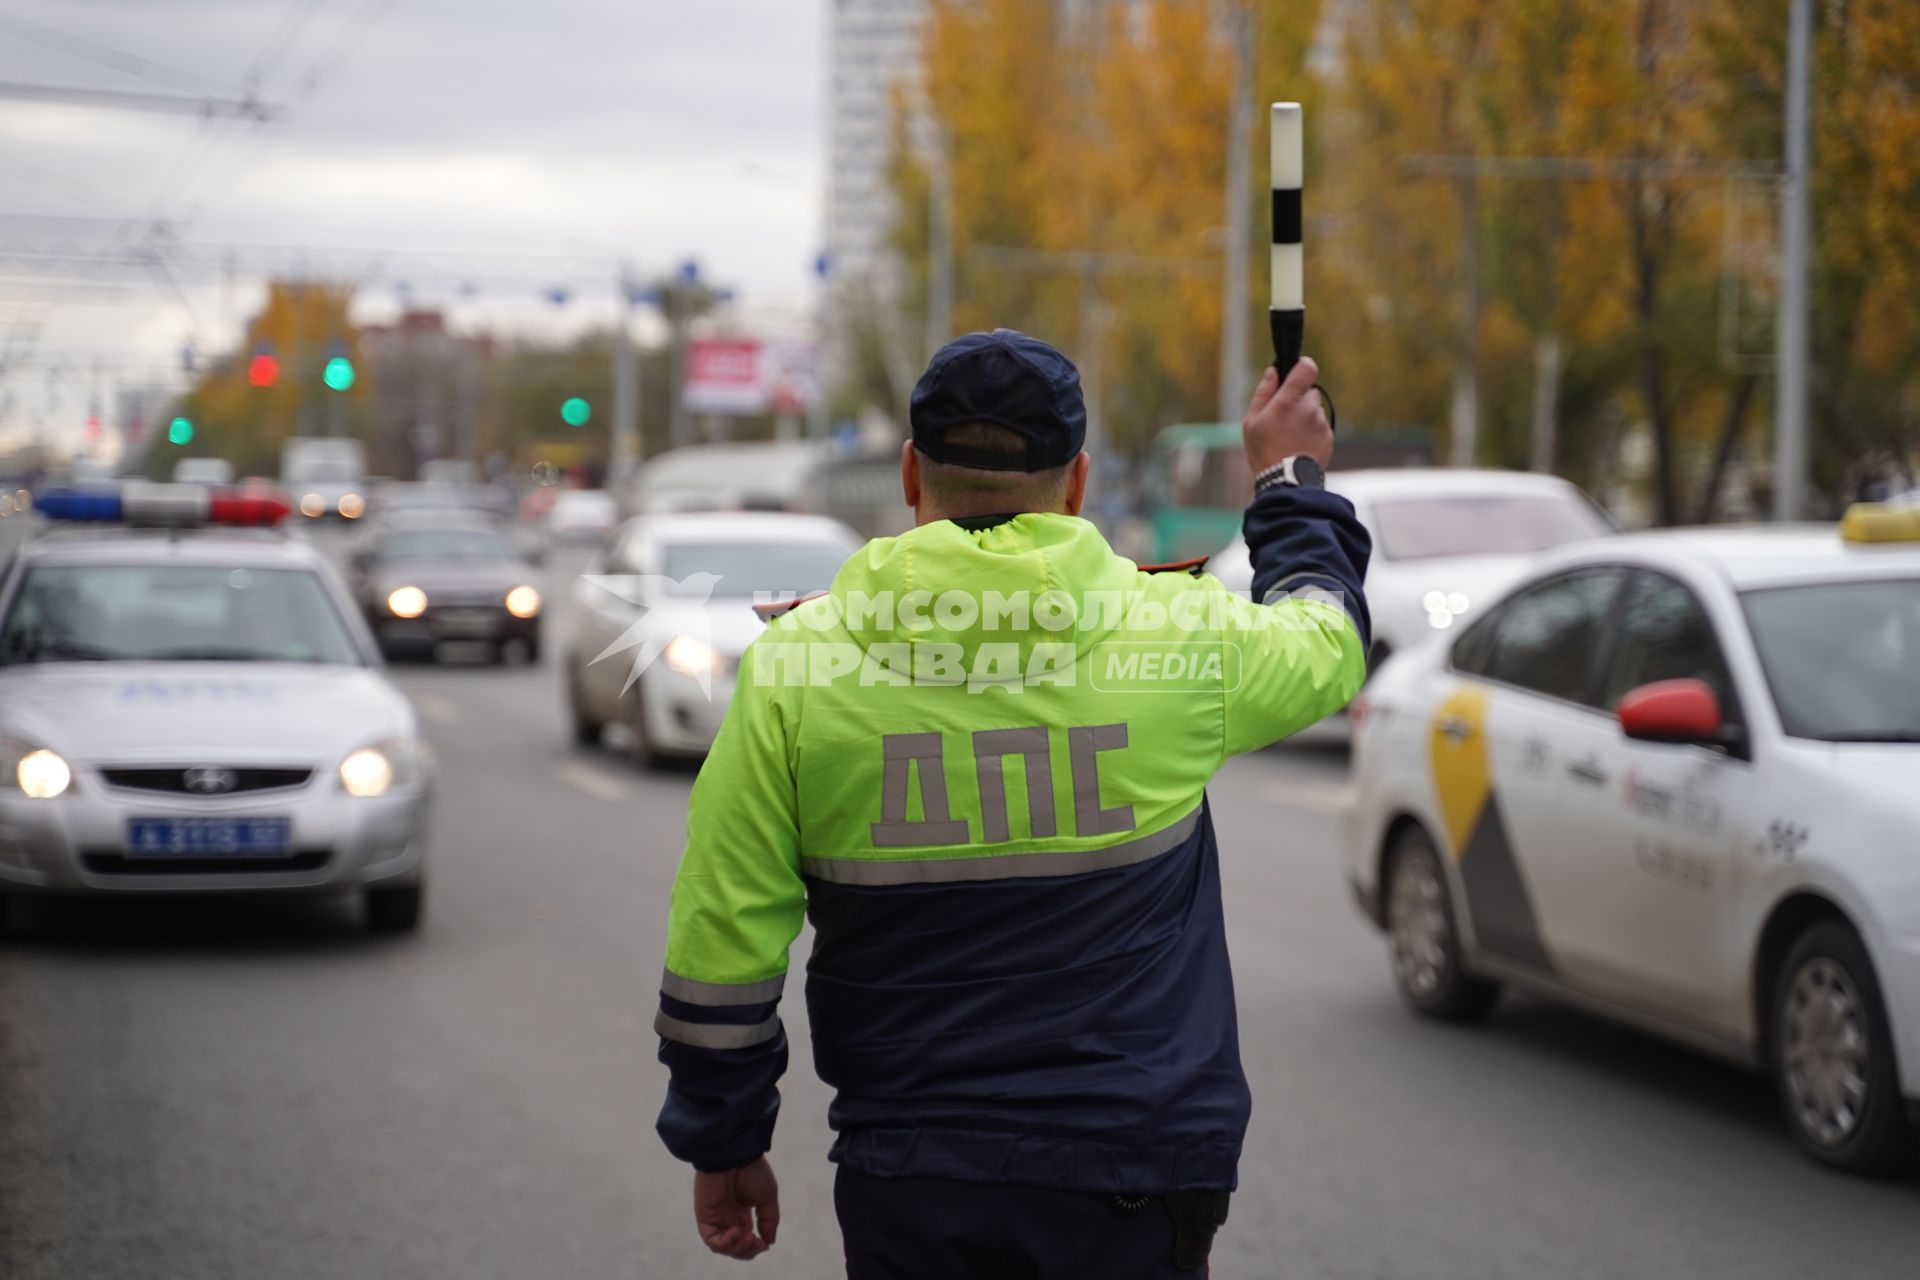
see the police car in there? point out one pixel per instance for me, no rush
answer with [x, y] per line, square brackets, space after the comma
[195, 708]
[1674, 778]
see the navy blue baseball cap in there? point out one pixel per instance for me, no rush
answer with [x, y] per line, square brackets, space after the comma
[1003, 377]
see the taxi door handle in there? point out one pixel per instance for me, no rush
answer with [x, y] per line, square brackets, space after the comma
[1456, 728]
[1587, 772]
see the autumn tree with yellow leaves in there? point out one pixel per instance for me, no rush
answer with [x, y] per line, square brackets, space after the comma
[301, 325]
[1530, 222]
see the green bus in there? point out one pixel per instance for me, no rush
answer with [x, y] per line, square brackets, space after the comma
[1198, 482]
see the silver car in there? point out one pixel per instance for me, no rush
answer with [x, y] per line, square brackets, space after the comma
[199, 712]
[659, 620]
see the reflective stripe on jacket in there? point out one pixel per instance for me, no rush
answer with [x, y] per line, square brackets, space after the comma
[994, 815]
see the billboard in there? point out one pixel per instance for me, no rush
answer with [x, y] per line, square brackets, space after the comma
[742, 377]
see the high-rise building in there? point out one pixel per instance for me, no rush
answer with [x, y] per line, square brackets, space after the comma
[875, 46]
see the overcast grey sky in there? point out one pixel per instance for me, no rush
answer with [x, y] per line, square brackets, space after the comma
[653, 130]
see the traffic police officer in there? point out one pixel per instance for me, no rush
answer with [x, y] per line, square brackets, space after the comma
[978, 766]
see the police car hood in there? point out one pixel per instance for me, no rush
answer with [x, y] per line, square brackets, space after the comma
[937, 579]
[229, 713]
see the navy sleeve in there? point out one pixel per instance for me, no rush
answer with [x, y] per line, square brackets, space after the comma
[721, 1102]
[1305, 539]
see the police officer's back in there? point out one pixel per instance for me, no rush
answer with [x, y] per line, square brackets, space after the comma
[978, 766]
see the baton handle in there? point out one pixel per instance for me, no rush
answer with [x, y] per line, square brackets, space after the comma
[1289, 328]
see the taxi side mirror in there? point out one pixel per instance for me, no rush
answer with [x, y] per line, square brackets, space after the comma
[1679, 711]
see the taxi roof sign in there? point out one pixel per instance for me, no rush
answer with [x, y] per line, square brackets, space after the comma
[169, 506]
[1879, 522]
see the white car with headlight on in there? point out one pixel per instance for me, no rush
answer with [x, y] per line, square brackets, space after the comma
[660, 618]
[1674, 778]
[1445, 542]
[200, 711]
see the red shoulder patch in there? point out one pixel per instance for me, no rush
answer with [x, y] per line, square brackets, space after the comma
[771, 609]
[1194, 566]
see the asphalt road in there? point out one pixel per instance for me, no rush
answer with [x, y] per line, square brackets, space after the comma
[258, 1090]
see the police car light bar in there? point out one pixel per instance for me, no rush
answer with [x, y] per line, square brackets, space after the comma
[172, 506]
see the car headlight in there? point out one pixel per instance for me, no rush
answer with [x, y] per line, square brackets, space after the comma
[406, 602]
[352, 506]
[38, 772]
[1444, 607]
[374, 770]
[692, 657]
[312, 506]
[523, 602]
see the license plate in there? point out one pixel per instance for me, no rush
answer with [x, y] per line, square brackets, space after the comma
[477, 623]
[208, 837]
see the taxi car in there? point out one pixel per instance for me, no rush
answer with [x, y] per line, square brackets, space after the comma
[659, 620]
[199, 709]
[1672, 777]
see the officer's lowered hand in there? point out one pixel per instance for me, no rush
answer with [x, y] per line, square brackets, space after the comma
[1287, 418]
[725, 1206]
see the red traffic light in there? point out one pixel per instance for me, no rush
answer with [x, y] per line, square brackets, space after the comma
[264, 371]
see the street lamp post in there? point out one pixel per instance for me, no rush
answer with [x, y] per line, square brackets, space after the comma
[1790, 386]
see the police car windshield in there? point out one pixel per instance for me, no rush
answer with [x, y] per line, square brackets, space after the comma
[1482, 524]
[754, 568]
[1842, 658]
[174, 613]
[445, 544]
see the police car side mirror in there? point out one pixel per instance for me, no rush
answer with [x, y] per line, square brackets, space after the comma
[1677, 711]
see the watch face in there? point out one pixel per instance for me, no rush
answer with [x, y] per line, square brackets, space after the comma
[1307, 472]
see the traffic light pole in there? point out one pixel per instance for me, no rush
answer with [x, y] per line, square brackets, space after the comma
[626, 383]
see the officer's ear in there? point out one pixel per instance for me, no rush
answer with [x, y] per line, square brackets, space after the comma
[910, 475]
[1077, 482]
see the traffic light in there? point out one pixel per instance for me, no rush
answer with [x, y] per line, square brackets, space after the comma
[180, 431]
[575, 411]
[338, 374]
[264, 370]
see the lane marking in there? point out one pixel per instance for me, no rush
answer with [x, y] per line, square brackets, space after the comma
[591, 781]
[436, 708]
[1326, 797]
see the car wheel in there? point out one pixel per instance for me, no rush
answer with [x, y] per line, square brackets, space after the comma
[1833, 1054]
[586, 729]
[395, 910]
[1424, 937]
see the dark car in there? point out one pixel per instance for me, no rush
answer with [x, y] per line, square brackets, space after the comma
[424, 581]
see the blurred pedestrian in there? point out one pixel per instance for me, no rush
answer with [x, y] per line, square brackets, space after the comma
[971, 764]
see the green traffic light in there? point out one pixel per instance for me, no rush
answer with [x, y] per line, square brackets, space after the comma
[180, 431]
[575, 412]
[339, 373]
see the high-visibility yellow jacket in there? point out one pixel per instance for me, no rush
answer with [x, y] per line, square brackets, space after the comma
[978, 766]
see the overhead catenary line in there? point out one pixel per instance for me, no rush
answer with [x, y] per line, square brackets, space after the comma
[106, 55]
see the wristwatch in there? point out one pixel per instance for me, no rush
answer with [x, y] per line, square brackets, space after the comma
[1299, 472]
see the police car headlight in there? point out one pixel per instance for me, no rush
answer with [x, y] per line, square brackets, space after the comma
[39, 773]
[406, 602]
[377, 769]
[523, 602]
[692, 657]
[352, 506]
[313, 506]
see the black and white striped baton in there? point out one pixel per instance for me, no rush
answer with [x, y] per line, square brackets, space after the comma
[1286, 310]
